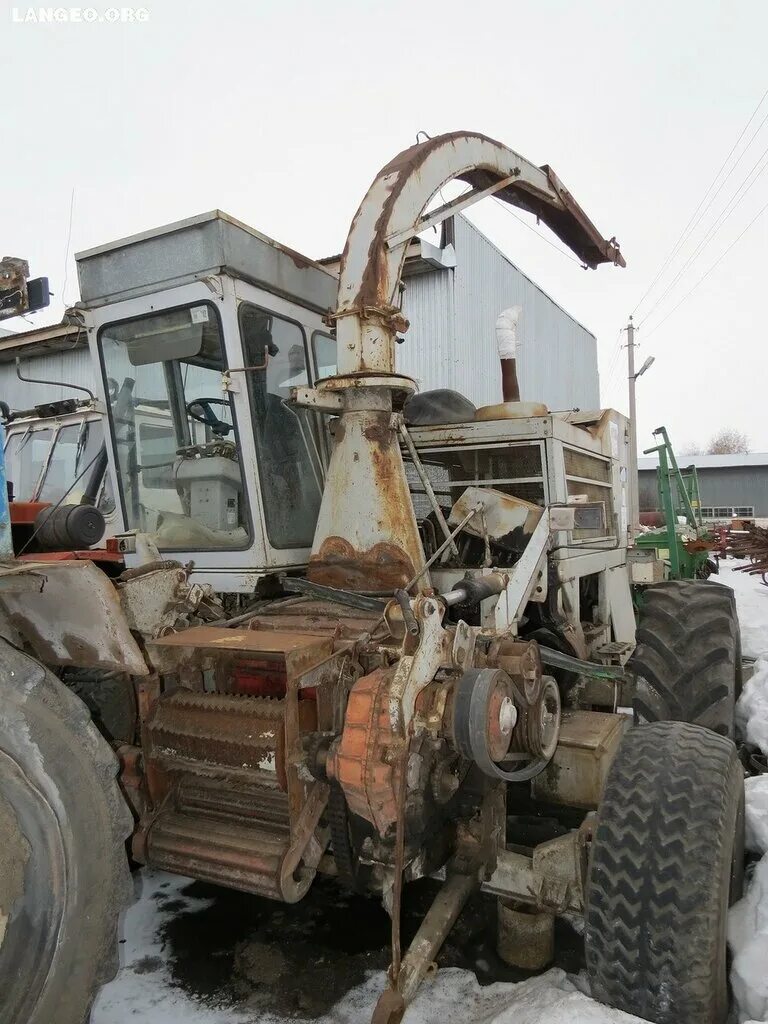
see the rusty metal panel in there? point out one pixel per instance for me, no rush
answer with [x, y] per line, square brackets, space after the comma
[73, 616]
[252, 640]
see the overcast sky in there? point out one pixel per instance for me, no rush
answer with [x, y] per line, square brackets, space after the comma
[281, 113]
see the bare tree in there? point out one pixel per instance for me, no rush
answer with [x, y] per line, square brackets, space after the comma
[691, 448]
[728, 442]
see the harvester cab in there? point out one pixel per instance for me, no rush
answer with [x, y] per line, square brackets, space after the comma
[201, 328]
[449, 668]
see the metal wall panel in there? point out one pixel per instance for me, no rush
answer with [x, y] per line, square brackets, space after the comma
[739, 485]
[451, 341]
[70, 365]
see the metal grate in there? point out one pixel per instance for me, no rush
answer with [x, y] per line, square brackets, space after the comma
[513, 470]
[587, 466]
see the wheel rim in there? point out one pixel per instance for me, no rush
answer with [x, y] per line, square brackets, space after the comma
[34, 920]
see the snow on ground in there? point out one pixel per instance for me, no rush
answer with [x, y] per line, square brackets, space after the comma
[748, 920]
[146, 989]
[142, 990]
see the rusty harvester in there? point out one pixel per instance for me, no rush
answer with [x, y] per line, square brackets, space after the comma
[447, 661]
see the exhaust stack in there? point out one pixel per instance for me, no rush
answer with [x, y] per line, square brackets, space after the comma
[506, 339]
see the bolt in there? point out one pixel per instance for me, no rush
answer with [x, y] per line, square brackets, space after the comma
[507, 716]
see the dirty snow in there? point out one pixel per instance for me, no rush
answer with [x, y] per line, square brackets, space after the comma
[748, 920]
[145, 990]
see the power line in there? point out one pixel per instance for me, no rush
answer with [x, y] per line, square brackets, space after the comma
[688, 229]
[615, 363]
[725, 213]
[722, 256]
[616, 355]
[538, 234]
[66, 253]
[511, 212]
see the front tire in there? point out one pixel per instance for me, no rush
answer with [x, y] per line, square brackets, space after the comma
[63, 869]
[666, 862]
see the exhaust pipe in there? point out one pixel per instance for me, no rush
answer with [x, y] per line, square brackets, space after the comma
[506, 339]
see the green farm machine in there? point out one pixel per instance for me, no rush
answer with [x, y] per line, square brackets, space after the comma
[682, 542]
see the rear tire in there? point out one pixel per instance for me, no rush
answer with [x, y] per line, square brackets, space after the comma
[687, 662]
[63, 869]
[666, 862]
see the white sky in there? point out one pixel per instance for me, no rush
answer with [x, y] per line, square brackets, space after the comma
[281, 113]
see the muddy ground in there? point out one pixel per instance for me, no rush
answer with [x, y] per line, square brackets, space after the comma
[298, 961]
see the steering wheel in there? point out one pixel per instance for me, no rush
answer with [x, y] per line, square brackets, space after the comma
[208, 416]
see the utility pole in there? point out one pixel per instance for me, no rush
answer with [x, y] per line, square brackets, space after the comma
[634, 502]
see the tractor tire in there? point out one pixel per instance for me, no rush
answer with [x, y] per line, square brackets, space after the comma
[666, 862]
[64, 875]
[687, 663]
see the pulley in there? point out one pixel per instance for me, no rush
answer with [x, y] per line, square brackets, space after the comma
[487, 723]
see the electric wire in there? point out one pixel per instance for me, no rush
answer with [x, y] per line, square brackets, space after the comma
[725, 213]
[690, 226]
[722, 256]
[511, 212]
[66, 251]
[614, 361]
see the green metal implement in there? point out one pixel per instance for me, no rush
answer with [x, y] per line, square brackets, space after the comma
[679, 497]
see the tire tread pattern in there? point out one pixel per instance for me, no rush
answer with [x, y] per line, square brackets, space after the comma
[655, 920]
[685, 662]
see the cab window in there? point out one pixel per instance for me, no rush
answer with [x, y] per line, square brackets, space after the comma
[290, 465]
[176, 440]
[69, 468]
[25, 455]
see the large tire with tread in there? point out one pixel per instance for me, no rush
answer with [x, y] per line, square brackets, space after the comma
[666, 862]
[687, 663]
[63, 868]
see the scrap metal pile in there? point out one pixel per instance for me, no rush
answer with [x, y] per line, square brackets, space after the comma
[751, 543]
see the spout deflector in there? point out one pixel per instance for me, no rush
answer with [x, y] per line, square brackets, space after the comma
[367, 536]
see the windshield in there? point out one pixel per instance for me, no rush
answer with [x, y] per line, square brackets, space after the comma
[175, 435]
[73, 456]
[53, 462]
[26, 453]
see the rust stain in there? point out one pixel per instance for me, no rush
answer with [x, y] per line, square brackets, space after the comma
[382, 568]
[362, 763]
[379, 433]
[571, 224]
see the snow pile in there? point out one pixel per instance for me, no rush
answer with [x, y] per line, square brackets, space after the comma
[752, 709]
[455, 997]
[756, 796]
[752, 606]
[748, 920]
[748, 936]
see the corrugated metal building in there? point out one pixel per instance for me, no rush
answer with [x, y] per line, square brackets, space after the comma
[730, 485]
[453, 296]
[454, 292]
[57, 353]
